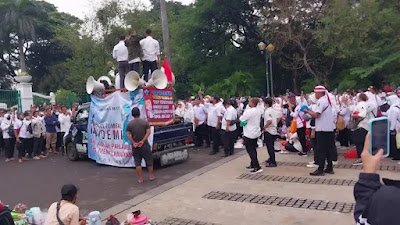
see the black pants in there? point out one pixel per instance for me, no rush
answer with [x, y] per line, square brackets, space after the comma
[201, 134]
[269, 140]
[344, 137]
[25, 147]
[251, 147]
[60, 140]
[359, 139]
[216, 138]
[301, 133]
[394, 152]
[9, 146]
[325, 146]
[147, 65]
[134, 66]
[123, 69]
[37, 146]
[315, 149]
[229, 141]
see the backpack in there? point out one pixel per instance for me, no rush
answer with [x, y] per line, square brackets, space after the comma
[340, 124]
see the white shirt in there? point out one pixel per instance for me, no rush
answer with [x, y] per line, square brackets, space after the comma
[151, 49]
[23, 125]
[5, 126]
[120, 52]
[135, 60]
[37, 127]
[252, 129]
[200, 112]
[324, 121]
[214, 111]
[230, 114]
[345, 113]
[365, 113]
[394, 117]
[298, 116]
[65, 122]
[271, 115]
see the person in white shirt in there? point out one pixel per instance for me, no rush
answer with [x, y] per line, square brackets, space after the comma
[65, 123]
[362, 113]
[393, 115]
[38, 133]
[120, 53]
[8, 137]
[324, 131]
[251, 132]
[200, 122]
[23, 136]
[373, 99]
[151, 54]
[214, 117]
[228, 126]
[344, 112]
[301, 125]
[270, 131]
[292, 145]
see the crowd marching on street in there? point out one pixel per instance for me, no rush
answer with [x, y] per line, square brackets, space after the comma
[305, 123]
[35, 133]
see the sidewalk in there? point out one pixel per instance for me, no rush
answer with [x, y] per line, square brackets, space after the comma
[224, 193]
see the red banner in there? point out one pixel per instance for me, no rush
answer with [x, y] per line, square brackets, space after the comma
[159, 106]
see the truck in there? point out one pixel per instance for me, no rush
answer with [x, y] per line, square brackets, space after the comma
[170, 145]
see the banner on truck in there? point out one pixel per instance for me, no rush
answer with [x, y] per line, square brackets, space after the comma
[108, 119]
[159, 106]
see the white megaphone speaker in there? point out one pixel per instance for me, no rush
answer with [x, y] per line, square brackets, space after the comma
[133, 81]
[93, 85]
[106, 79]
[158, 80]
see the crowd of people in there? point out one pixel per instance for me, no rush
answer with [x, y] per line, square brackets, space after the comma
[34, 133]
[303, 123]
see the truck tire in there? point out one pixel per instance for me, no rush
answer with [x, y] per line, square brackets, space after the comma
[72, 153]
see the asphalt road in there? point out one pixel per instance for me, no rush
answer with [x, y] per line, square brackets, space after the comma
[38, 183]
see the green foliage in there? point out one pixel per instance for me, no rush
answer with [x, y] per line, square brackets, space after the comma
[66, 97]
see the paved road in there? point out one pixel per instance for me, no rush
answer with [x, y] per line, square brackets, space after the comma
[38, 183]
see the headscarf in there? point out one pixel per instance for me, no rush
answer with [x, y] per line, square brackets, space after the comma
[322, 89]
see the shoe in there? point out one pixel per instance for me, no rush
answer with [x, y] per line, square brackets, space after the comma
[396, 159]
[267, 161]
[255, 171]
[270, 165]
[36, 158]
[249, 168]
[8, 160]
[302, 154]
[358, 162]
[313, 162]
[317, 173]
[329, 171]
[334, 163]
[12, 159]
[25, 159]
[284, 152]
[312, 166]
[213, 153]
[19, 160]
[43, 156]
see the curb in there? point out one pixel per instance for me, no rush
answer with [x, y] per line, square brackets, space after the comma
[120, 208]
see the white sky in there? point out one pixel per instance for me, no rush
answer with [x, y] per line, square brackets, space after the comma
[80, 8]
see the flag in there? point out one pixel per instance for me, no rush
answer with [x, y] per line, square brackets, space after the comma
[167, 70]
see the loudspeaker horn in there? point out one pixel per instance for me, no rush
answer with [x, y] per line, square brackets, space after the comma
[158, 80]
[133, 81]
[93, 85]
[105, 78]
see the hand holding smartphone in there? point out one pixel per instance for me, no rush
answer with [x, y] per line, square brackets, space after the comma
[380, 136]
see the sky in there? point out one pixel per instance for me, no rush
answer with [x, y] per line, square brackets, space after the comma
[80, 8]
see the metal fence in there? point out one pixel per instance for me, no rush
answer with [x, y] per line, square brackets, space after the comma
[10, 98]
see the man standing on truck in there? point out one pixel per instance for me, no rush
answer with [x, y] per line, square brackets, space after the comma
[138, 131]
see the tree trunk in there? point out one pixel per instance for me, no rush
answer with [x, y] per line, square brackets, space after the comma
[294, 79]
[164, 21]
[21, 54]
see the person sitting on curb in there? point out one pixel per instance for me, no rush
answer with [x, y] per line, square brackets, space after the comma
[65, 212]
[376, 204]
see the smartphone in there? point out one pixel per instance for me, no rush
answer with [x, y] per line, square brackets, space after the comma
[380, 136]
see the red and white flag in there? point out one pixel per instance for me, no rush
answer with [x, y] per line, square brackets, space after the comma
[166, 68]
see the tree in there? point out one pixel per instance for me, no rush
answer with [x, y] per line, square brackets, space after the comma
[20, 17]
